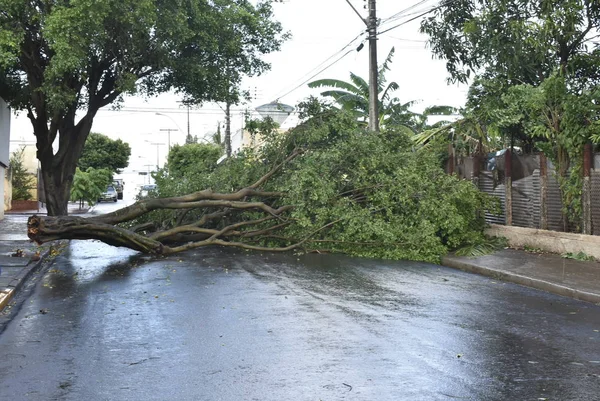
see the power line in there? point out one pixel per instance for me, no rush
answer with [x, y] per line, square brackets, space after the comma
[447, 3]
[400, 14]
[406, 40]
[304, 82]
[322, 63]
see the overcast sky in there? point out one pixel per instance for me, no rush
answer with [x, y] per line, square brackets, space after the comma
[320, 30]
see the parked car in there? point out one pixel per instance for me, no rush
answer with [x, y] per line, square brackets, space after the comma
[109, 195]
[145, 189]
[119, 184]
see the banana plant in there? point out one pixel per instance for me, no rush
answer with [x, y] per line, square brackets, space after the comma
[353, 96]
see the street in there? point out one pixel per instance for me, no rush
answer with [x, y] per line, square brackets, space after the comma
[212, 324]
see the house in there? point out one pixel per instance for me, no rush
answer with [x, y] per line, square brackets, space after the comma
[4, 154]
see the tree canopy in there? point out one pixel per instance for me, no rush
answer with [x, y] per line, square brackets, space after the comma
[193, 158]
[62, 61]
[534, 68]
[90, 184]
[101, 152]
[324, 186]
[523, 42]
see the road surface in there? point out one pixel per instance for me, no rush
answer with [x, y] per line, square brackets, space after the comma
[108, 324]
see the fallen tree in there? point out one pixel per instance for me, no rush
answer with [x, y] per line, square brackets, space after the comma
[327, 186]
[145, 238]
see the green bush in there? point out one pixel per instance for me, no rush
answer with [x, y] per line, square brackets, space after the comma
[90, 184]
[22, 181]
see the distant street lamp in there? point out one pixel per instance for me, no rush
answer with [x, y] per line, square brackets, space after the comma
[169, 134]
[157, 144]
[148, 173]
[174, 122]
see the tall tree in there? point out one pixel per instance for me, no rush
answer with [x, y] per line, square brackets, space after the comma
[62, 61]
[521, 42]
[102, 152]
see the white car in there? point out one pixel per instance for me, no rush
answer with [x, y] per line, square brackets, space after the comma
[146, 189]
[109, 195]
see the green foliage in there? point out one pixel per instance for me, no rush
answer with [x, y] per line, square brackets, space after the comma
[353, 97]
[132, 45]
[581, 256]
[263, 126]
[22, 181]
[90, 184]
[562, 122]
[193, 158]
[519, 42]
[61, 57]
[536, 76]
[485, 247]
[385, 200]
[101, 152]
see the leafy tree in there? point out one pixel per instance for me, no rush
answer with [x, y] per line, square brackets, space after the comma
[22, 181]
[58, 58]
[519, 42]
[353, 96]
[100, 152]
[89, 185]
[536, 70]
[194, 157]
[563, 122]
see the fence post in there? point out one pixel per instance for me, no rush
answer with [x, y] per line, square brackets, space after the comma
[450, 159]
[543, 192]
[476, 169]
[587, 189]
[508, 185]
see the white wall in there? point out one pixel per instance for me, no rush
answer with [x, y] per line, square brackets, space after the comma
[4, 147]
[4, 133]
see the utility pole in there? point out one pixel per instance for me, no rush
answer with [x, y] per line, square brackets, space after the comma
[371, 23]
[373, 69]
[168, 134]
[188, 115]
[228, 129]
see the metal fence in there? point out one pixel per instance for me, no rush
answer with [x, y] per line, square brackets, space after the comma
[527, 196]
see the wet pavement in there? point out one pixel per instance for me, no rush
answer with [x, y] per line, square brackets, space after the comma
[107, 324]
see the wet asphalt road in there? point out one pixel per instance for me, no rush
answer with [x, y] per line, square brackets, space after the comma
[106, 324]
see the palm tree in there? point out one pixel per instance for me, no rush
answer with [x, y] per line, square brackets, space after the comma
[353, 97]
[467, 134]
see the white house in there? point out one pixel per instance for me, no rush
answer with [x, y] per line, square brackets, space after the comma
[4, 149]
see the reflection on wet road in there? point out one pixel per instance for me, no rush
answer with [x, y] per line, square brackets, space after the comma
[108, 324]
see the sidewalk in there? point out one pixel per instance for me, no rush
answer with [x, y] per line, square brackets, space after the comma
[546, 272]
[19, 257]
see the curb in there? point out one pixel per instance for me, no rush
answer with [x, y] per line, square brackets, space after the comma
[16, 283]
[543, 285]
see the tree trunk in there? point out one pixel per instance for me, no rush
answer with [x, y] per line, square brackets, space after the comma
[222, 221]
[58, 169]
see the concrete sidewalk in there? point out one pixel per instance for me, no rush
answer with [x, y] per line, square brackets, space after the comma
[547, 272]
[19, 257]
